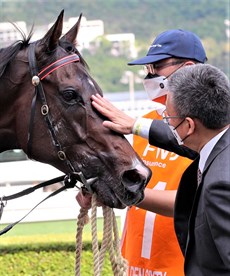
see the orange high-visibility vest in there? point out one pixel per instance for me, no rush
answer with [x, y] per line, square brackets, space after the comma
[149, 242]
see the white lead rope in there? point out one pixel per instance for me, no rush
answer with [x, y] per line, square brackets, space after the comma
[110, 241]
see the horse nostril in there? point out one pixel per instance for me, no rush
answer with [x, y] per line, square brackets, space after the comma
[133, 180]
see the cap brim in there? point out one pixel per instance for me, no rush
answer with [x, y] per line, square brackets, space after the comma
[148, 59]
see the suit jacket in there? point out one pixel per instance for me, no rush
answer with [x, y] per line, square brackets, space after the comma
[202, 215]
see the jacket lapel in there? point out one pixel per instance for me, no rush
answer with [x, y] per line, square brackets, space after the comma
[184, 202]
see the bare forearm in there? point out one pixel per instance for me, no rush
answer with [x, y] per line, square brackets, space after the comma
[160, 202]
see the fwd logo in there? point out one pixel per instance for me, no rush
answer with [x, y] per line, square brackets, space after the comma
[159, 153]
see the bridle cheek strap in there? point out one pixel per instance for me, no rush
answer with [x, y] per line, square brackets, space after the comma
[39, 92]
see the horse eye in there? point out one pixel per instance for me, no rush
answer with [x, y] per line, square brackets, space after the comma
[69, 95]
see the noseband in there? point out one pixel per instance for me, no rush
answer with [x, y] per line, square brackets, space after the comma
[39, 92]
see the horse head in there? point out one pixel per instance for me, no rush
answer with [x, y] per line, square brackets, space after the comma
[46, 111]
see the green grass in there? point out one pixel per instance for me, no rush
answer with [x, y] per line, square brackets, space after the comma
[43, 263]
[48, 249]
[63, 231]
[51, 227]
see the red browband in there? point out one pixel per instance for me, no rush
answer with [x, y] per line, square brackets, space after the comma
[57, 64]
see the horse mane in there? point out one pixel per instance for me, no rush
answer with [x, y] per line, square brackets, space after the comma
[8, 53]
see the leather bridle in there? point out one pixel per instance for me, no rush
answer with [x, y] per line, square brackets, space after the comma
[39, 93]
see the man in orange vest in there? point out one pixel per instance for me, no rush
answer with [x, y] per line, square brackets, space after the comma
[149, 242]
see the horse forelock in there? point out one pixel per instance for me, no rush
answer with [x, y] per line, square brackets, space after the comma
[7, 54]
[45, 56]
[71, 48]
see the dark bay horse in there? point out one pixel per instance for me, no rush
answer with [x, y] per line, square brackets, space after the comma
[45, 109]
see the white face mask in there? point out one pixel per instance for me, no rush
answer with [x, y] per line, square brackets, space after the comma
[155, 86]
[176, 135]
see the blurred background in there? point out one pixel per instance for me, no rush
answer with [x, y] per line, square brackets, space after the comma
[117, 31]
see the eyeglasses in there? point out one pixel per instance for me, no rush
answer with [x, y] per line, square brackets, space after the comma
[166, 118]
[149, 68]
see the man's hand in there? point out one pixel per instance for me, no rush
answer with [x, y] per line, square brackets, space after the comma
[119, 121]
[84, 200]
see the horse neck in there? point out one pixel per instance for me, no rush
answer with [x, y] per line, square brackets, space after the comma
[7, 141]
[8, 138]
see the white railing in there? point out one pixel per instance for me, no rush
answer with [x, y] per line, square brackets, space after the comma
[62, 206]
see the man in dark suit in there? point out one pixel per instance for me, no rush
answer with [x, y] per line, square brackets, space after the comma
[198, 114]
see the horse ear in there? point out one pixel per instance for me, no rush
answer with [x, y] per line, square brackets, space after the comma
[51, 38]
[71, 35]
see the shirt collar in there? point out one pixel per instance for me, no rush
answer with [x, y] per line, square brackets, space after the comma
[206, 150]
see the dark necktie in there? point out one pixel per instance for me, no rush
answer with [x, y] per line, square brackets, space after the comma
[199, 177]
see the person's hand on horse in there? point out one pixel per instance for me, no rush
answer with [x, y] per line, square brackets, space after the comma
[119, 121]
[84, 199]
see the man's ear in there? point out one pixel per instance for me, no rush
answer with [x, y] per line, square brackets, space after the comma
[191, 125]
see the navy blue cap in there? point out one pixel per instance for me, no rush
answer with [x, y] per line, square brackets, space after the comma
[174, 43]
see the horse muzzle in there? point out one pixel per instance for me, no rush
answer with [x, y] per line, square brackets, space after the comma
[134, 182]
